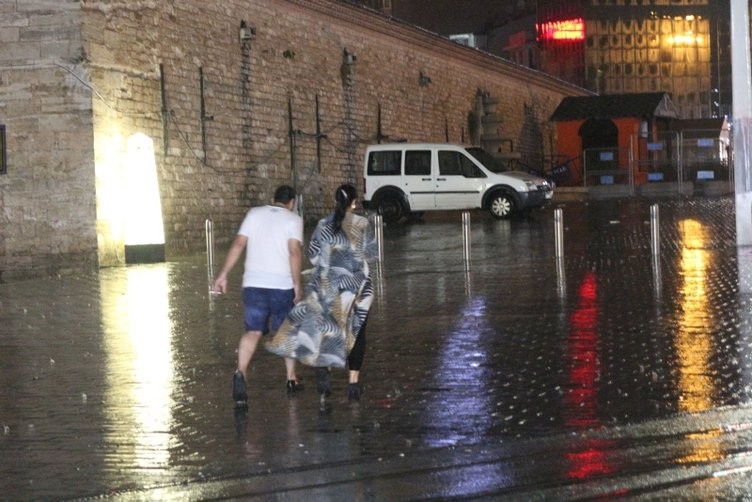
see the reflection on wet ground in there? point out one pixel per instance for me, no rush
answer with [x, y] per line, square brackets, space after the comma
[476, 373]
[610, 348]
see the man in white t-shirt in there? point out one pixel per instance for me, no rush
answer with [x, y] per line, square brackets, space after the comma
[272, 236]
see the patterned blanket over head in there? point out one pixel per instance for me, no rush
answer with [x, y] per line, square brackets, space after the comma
[321, 329]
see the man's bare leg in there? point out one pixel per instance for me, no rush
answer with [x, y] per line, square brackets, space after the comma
[246, 348]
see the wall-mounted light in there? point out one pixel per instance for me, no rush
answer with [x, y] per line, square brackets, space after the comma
[348, 57]
[423, 79]
[246, 32]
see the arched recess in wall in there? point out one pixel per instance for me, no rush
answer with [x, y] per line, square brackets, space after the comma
[129, 213]
[144, 227]
[599, 133]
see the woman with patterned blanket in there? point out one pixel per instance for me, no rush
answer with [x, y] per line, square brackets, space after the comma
[327, 328]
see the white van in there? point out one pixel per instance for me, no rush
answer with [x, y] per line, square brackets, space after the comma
[401, 178]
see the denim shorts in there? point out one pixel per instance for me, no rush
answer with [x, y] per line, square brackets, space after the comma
[265, 309]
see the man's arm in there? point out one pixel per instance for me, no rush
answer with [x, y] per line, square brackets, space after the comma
[296, 265]
[236, 250]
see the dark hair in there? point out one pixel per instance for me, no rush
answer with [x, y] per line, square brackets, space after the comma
[284, 194]
[344, 196]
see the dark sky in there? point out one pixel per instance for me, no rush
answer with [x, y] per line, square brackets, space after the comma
[459, 16]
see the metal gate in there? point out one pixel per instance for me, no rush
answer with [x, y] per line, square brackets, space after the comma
[607, 167]
[682, 161]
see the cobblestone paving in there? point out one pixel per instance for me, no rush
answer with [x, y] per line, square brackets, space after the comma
[118, 384]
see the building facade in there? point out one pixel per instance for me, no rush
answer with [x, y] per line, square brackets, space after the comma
[607, 46]
[624, 46]
[130, 124]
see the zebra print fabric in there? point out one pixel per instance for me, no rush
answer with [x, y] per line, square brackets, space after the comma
[321, 329]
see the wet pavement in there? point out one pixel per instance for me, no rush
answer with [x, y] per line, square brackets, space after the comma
[606, 373]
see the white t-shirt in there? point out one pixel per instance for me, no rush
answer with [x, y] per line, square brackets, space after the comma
[267, 256]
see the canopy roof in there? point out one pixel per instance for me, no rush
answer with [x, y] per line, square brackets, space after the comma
[610, 106]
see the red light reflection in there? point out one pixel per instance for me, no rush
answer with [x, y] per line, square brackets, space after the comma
[581, 398]
[582, 355]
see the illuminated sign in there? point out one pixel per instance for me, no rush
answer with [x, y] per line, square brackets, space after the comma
[568, 29]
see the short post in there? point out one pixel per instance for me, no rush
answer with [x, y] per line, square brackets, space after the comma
[561, 278]
[655, 234]
[559, 233]
[466, 236]
[209, 224]
[468, 284]
[378, 223]
[657, 283]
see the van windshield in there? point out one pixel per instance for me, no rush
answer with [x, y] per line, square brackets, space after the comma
[492, 164]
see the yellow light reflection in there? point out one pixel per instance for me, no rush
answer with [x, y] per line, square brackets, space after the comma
[693, 340]
[137, 331]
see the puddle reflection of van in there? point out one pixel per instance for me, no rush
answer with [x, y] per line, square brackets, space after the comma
[401, 178]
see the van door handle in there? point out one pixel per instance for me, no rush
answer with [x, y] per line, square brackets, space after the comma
[440, 179]
[425, 179]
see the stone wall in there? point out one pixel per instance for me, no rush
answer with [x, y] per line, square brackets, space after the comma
[296, 100]
[47, 205]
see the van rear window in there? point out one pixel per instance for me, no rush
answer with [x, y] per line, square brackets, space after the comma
[386, 163]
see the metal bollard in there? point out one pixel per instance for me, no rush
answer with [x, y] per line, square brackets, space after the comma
[655, 233]
[466, 236]
[468, 284]
[209, 224]
[559, 233]
[657, 282]
[561, 278]
[378, 223]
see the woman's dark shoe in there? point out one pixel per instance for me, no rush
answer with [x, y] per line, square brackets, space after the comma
[294, 386]
[353, 392]
[323, 381]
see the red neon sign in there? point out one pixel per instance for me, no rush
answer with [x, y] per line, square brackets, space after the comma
[568, 29]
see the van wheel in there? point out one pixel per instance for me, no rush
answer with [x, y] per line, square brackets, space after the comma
[390, 208]
[501, 205]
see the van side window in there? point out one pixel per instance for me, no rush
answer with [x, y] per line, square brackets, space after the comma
[386, 163]
[418, 162]
[456, 164]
